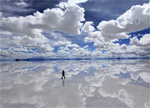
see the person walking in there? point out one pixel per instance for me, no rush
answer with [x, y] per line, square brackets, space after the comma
[63, 74]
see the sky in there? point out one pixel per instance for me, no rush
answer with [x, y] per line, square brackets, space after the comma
[74, 28]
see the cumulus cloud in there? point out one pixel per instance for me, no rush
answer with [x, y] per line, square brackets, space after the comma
[44, 51]
[29, 29]
[93, 36]
[135, 19]
[29, 42]
[81, 52]
[60, 43]
[88, 27]
[65, 43]
[13, 53]
[72, 45]
[42, 31]
[144, 41]
[99, 40]
[50, 20]
[127, 51]
[72, 51]
[67, 49]
[142, 44]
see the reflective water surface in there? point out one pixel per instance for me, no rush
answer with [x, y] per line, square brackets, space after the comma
[88, 84]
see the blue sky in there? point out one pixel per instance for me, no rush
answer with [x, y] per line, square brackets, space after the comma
[74, 28]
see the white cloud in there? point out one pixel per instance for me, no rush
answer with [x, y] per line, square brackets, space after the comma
[144, 41]
[29, 30]
[5, 33]
[72, 45]
[81, 52]
[73, 2]
[135, 41]
[88, 27]
[102, 40]
[51, 20]
[66, 44]
[12, 53]
[71, 21]
[72, 51]
[86, 46]
[93, 36]
[20, 49]
[46, 48]
[98, 40]
[63, 5]
[30, 42]
[103, 45]
[135, 19]
[24, 52]
[142, 44]
[129, 51]
[70, 3]
[60, 43]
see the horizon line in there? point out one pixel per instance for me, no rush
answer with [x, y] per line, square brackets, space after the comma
[53, 59]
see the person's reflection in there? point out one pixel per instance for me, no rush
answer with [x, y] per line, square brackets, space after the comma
[63, 82]
[63, 77]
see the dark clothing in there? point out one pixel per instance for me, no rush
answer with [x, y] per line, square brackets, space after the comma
[63, 74]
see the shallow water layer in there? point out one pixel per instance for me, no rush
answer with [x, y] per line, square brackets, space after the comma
[88, 84]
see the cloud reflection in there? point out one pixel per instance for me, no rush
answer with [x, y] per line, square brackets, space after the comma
[120, 83]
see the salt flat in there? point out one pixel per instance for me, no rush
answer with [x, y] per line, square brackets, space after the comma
[88, 84]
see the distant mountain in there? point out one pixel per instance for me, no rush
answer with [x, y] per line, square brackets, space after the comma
[47, 59]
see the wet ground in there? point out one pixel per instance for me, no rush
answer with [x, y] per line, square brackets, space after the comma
[88, 84]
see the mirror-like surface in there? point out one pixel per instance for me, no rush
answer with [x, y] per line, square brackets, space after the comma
[88, 84]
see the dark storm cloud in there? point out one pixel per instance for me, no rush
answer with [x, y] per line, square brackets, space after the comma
[10, 7]
[41, 5]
